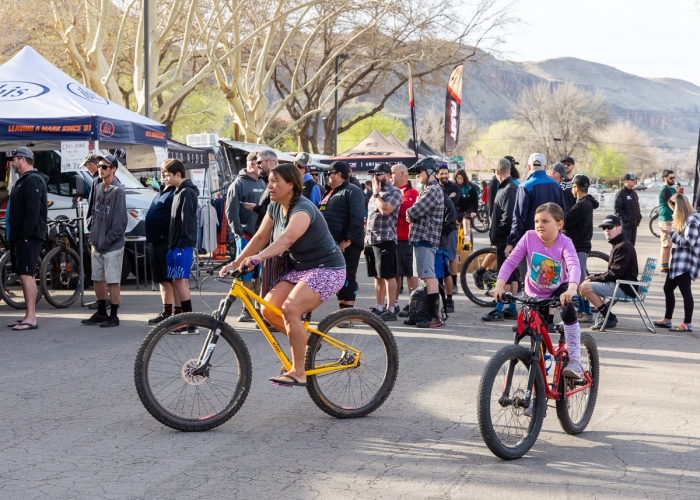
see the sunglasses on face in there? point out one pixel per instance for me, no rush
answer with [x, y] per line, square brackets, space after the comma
[379, 174]
[104, 166]
[607, 228]
[331, 172]
[314, 175]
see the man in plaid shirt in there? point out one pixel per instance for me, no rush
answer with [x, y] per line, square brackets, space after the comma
[380, 239]
[425, 217]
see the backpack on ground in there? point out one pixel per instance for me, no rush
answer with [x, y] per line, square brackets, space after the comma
[418, 307]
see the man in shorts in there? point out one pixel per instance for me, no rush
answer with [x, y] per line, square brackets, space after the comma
[425, 217]
[622, 265]
[666, 216]
[157, 232]
[183, 233]
[380, 239]
[26, 229]
[404, 251]
[107, 236]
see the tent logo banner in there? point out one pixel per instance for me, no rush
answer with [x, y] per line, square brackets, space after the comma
[106, 128]
[85, 93]
[18, 91]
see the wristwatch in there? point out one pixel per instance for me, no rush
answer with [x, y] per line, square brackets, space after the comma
[376, 195]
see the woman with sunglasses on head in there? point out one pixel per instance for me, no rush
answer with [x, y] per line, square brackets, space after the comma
[685, 261]
[293, 224]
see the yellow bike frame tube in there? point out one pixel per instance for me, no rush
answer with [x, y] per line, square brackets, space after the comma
[243, 293]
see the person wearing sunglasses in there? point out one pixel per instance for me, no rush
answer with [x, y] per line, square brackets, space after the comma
[666, 216]
[246, 188]
[107, 237]
[622, 265]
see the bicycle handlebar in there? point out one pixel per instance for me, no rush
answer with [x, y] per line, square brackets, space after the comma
[533, 301]
[238, 272]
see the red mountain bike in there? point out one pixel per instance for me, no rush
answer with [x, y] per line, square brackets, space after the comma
[514, 388]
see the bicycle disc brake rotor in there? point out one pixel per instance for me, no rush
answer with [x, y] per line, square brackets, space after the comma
[188, 372]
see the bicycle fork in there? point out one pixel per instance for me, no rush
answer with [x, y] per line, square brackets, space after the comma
[213, 337]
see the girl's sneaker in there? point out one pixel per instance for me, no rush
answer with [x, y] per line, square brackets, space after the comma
[573, 370]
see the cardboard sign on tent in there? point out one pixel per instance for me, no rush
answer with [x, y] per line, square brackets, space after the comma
[40, 103]
[373, 150]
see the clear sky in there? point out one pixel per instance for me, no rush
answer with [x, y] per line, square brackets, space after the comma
[649, 38]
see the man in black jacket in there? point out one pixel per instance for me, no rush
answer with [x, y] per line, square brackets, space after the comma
[501, 222]
[621, 266]
[579, 227]
[343, 208]
[627, 208]
[183, 233]
[26, 229]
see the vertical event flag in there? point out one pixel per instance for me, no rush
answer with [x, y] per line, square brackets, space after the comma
[453, 104]
[413, 109]
[696, 191]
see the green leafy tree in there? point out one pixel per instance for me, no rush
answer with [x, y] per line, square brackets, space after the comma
[606, 163]
[204, 110]
[503, 138]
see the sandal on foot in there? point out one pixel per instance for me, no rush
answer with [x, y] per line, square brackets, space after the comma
[681, 328]
[287, 383]
[663, 324]
[15, 323]
[20, 327]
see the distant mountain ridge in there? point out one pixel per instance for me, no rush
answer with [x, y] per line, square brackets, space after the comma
[667, 109]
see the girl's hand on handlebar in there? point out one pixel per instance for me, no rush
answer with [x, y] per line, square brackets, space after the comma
[498, 292]
[568, 295]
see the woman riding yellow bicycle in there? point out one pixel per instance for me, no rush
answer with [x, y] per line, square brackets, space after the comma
[293, 224]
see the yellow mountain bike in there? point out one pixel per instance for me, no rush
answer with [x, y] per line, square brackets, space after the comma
[193, 371]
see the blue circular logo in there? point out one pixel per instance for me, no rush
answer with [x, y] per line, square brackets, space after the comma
[19, 91]
[85, 93]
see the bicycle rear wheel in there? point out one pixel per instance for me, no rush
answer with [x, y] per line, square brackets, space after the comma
[11, 286]
[168, 388]
[597, 262]
[481, 223]
[505, 427]
[60, 276]
[477, 282]
[575, 412]
[353, 392]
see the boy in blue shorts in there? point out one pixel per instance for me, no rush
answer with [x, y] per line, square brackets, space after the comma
[182, 236]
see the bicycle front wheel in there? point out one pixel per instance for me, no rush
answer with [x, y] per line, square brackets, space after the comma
[352, 392]
[509, 429]
[575, 412]
[478, 282]
[654, 225]
[167, 386]
[60, 276]
[11, 286]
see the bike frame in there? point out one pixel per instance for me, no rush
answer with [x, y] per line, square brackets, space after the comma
[531, 324]
[349, 359]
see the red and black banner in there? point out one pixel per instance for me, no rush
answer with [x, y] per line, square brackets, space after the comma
[453, 104]
[413, 109]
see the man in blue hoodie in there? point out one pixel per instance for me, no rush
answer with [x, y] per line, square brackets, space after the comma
[107, 236]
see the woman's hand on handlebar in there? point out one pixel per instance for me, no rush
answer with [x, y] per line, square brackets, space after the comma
[251, 262]
[227, 268]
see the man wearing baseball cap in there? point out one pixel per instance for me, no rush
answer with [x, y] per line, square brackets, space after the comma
[535, 191]
[558, 173]
[622, 265]
[26, 229]
[381, 238]
[311, 189]
[627, 207]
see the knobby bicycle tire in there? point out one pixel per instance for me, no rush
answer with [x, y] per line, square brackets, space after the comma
[506, 430]
[353, 392]
[654, 225]
[482, 221]
[168, 389]
[60, 276]
[10, 285]
[575, 412]
[480, 296]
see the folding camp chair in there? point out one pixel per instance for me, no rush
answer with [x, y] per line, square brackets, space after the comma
[640, 293]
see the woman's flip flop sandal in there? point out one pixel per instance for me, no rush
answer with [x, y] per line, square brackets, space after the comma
[292, 382]
[663, 324]
[682, 328]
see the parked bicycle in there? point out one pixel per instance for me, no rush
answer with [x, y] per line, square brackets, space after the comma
[60, 272]
[653, 222]
[514, 389]
[193, 371]
[479, 273]
[10, 284]
[482, 222]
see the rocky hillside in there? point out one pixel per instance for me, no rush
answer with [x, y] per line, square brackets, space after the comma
[667, 109]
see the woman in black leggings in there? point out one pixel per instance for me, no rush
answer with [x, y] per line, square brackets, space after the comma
[685, 261]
